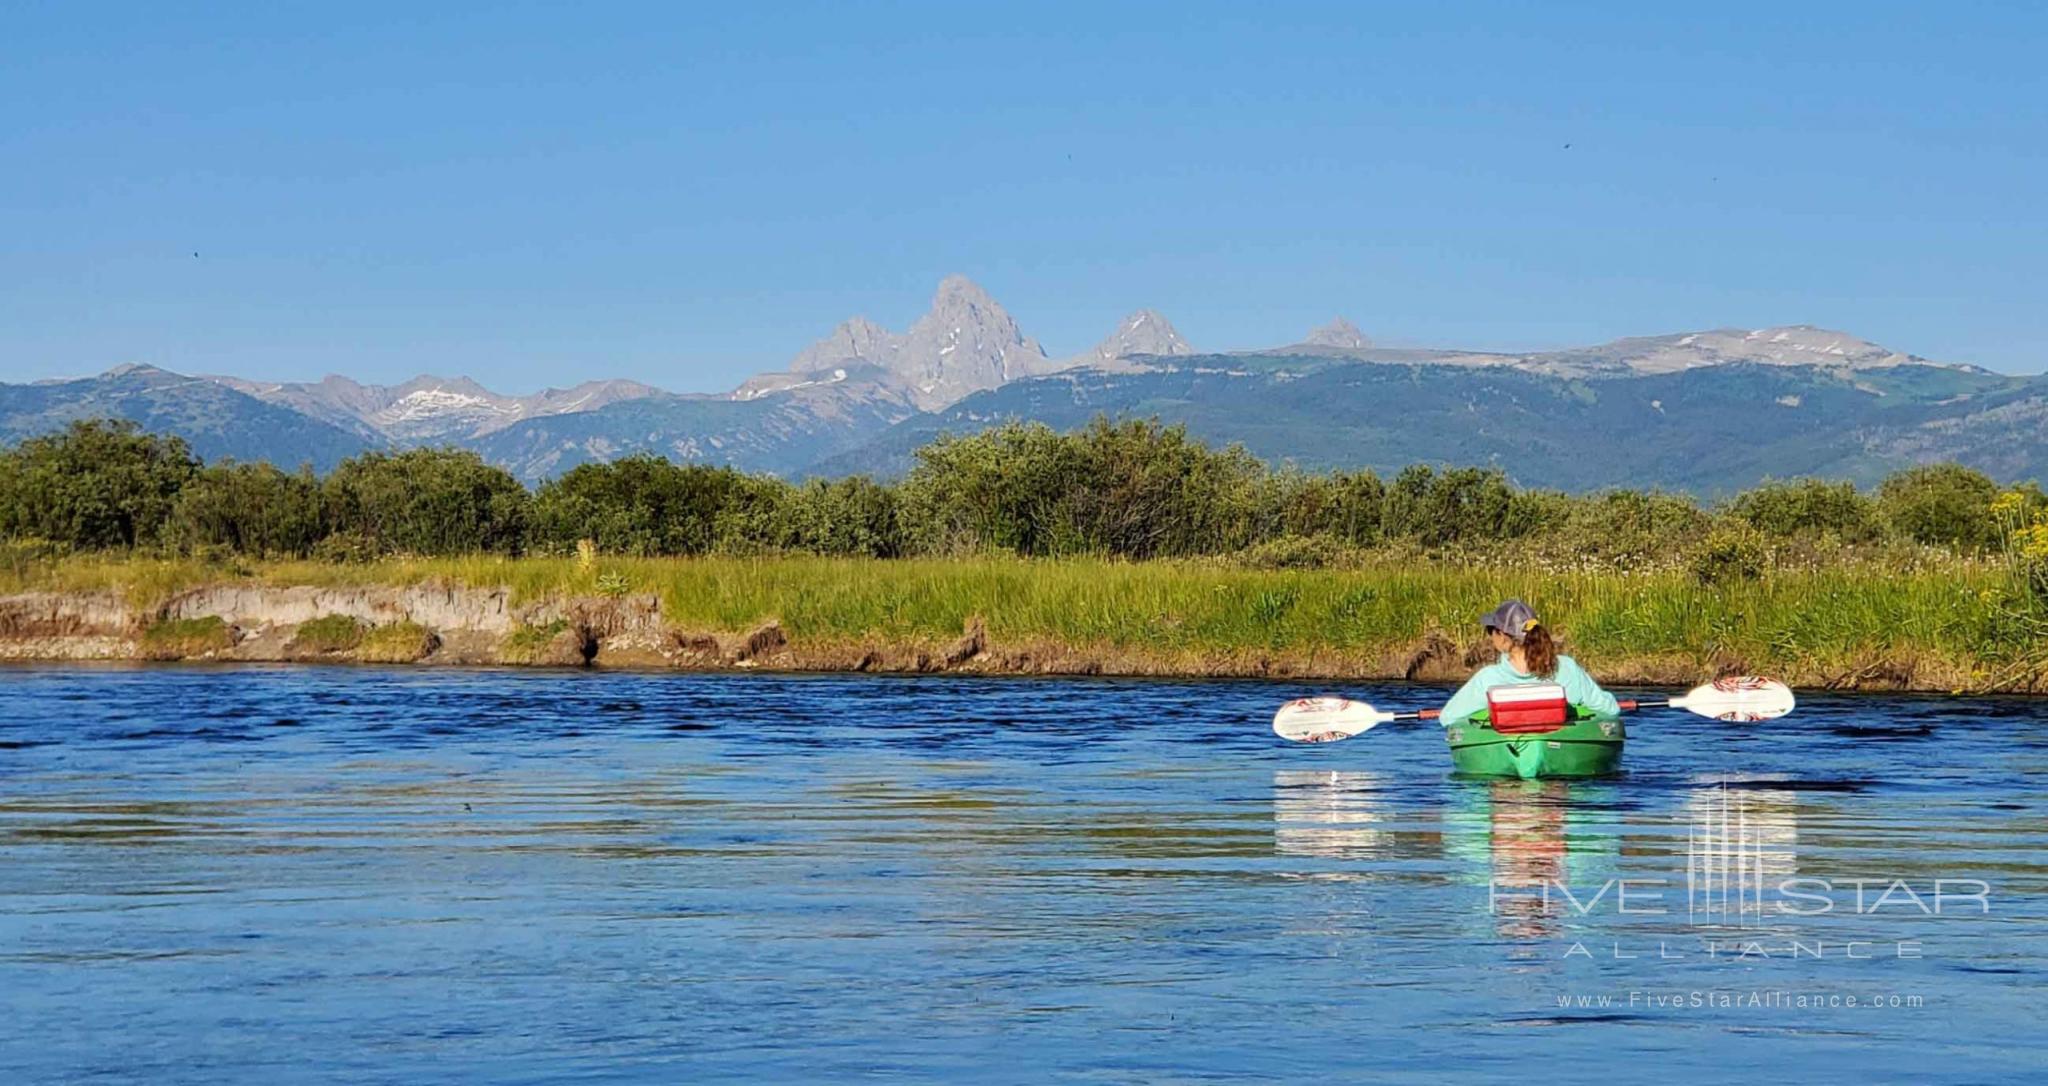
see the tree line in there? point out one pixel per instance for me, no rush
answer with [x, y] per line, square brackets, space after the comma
[1131, 489]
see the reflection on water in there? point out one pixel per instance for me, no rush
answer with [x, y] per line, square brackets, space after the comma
[1526, 829]
[1532, 845]
[1333, 814]
[315, 875]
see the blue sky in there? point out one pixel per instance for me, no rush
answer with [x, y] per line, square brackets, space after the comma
[539, 194]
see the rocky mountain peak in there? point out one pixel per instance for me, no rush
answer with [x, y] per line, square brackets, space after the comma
[1339, 333]
[1146, 332]
[958, 289]
[965, 343]
[1784, 345]
[428, 408]
[428, 382]
[1787, 345]
[1142, 333]
[856, 340]
[143, 375]
[960, 308]
[130, 369]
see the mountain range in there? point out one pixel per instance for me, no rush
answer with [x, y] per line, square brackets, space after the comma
[1706, 411]
[427, 410]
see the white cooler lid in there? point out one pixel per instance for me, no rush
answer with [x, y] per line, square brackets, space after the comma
[1522, 693]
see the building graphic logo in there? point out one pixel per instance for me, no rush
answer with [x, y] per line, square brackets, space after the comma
[1725, 859]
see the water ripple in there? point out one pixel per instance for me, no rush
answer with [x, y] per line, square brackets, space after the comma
[287, 874]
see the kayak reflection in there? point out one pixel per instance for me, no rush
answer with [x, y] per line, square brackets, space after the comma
[1530, 838]
[1526, 833]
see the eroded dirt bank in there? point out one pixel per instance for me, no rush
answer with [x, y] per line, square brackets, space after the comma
[454, 625]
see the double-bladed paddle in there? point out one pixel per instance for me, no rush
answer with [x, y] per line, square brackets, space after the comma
[1327, 719]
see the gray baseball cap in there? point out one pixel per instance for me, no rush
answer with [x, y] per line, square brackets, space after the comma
[1512, 618]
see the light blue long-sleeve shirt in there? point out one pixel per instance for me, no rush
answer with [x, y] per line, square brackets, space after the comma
[1579, 689]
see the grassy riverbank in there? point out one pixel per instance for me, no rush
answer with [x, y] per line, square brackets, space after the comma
[1203, 562]
[1947, 625]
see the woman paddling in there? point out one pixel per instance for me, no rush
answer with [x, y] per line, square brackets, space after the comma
[1527, 654]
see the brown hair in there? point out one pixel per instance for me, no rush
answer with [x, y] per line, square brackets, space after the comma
[1539, 651]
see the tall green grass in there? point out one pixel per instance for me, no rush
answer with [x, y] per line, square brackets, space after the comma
[329, 633]
[1788, 619]
[176, 639]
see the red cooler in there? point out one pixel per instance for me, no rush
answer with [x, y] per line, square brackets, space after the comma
[1527, 708]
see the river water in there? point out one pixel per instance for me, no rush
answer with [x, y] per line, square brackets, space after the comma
[325, 874]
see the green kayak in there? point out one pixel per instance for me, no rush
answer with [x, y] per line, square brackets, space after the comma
[1587, 746]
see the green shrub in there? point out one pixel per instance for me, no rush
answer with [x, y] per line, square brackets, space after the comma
[96, 484]
[427, 502]
[347, 548]
[396, 643]
[328, 633]
[1623, 529]
[1132, 489]
[1456, 506]
[1945, 505]
[1809, 507]
[1731, 553]
[853, 516]
[1121, 489]
[1343, 505]
[180, 638]
[249, 509]
[529, 644]
[642, 506]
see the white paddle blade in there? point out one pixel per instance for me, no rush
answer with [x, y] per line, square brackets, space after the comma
[1325, 720]
[1743, 697]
